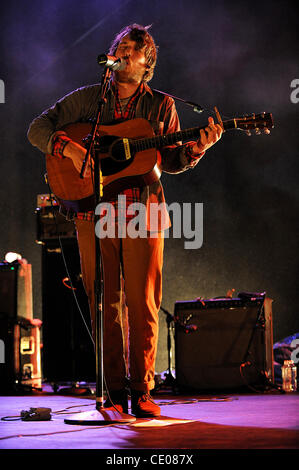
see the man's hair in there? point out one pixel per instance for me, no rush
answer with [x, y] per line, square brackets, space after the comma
[140, 35]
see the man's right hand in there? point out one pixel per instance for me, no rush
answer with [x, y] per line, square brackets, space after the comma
[77, 154]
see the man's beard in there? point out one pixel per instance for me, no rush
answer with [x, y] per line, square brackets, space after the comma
[124, 76]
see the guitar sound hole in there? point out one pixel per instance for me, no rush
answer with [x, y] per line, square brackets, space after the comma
[120, 150]
[104, 143]
[115, 159]
[110, 167]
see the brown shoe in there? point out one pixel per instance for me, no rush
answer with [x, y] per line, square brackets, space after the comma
[143, 405]
[118, 401]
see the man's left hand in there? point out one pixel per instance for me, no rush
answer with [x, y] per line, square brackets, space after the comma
[208, 137]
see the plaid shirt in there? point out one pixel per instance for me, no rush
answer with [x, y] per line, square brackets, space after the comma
[132, 194]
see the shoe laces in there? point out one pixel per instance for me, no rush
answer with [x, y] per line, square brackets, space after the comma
[145, 397]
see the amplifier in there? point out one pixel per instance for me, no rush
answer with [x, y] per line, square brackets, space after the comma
[51, 223]
[223, 343]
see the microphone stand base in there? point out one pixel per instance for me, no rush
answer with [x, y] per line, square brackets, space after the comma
[100, 417]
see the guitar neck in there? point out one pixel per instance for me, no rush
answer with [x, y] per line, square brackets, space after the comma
[171, 139]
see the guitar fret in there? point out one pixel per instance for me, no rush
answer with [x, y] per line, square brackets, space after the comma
[166, 139]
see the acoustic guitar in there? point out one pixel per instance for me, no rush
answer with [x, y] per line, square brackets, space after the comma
[129, 157]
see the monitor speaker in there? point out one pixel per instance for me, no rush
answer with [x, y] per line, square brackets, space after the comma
[223, 344]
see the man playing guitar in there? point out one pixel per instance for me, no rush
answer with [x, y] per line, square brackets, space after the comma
[138, 261]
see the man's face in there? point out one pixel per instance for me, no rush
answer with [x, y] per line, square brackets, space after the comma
[135, 59]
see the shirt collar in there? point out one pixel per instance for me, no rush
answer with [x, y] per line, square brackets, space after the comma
[143, 88]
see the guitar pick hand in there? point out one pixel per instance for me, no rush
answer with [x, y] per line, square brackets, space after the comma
[77, 154]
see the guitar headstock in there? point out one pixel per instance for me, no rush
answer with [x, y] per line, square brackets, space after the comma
[255, 123]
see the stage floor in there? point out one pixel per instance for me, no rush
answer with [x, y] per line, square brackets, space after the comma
[200, 422]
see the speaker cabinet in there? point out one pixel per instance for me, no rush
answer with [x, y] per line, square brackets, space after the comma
[223, 344]
[68, 353]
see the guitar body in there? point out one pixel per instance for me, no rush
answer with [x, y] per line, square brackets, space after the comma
[142, 168]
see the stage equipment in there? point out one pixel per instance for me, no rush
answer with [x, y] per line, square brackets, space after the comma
[68, 352]
[169, 378]
[196, 107]
[224, 343]
[16, 289]
[20, 364]
[20, 361]
[115, 63]
[51, 224]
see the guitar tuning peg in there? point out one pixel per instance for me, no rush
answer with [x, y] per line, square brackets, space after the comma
[257, 131]
[248, 133]
[266, 131]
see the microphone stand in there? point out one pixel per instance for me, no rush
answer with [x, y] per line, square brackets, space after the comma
[196, 107]
[100, 415]
[169, 378]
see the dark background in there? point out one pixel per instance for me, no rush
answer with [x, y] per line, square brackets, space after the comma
[240, 56]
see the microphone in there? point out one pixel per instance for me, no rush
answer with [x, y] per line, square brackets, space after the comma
[112, 62]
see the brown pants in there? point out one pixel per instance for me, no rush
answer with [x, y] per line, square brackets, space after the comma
[140, 262]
